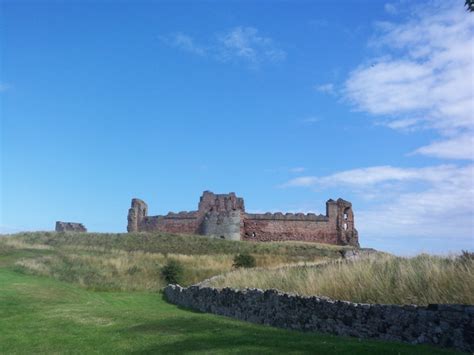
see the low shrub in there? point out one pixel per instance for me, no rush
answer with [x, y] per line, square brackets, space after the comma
[244, 260]
[172, 272]
[466, 256]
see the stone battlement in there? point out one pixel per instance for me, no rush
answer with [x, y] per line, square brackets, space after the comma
[182, 214]
[223, 216]
[278, 216]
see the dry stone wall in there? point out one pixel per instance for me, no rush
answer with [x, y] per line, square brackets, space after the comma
[442, 325]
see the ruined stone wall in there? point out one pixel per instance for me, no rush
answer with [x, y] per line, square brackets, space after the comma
[336, 227]
[265, 230]
[442, 325]
[223, 216]
[70, 227]
[183, 222]
[210, 201]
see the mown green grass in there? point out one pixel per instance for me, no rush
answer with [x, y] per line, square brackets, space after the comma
[43, 315]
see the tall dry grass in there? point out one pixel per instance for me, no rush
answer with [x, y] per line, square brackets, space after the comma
[120, 270]
[377, 279]
[134, 261]
[101, 268]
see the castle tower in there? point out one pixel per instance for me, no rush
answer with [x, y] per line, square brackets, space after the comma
[222, 215]
[136, 214]
[341, 216]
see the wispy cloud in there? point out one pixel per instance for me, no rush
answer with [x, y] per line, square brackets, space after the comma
[318, 23]
[420, 78]
[237, 44]
[311, 120]
[424, 80]
[297, 170]
[4, 87]
[183, 42]
[390, 9]
[459, 147]
[325, 88]
[368, 177]
[246, 43]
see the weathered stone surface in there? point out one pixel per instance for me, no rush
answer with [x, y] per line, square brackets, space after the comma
[224, 216]
[442, 325]
[70, 227]
[136, 214]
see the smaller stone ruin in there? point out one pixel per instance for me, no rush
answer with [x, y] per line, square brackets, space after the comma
[70, 227]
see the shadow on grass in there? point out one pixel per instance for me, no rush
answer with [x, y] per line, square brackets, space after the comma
[201, 333]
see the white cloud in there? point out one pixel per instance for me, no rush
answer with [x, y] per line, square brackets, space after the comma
[239, 43]
[444, 209]
[183, 42]
[368, 177]
[421, 78]
[246, 43]
[325, 88]
[460, 147]
[425, 79]
[430, 202]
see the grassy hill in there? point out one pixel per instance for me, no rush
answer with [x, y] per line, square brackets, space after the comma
[134, 261]
[43, 315]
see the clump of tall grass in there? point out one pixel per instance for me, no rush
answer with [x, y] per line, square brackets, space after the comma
[244, 260]
[172, 272]
[419, 280]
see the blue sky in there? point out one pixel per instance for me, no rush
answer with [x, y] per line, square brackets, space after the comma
[285, 103]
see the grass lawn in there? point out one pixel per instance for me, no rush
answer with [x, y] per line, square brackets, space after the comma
[42, 315]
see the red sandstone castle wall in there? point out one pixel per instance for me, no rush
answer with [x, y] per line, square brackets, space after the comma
[178, 225]
[287, 230]
[224, 215]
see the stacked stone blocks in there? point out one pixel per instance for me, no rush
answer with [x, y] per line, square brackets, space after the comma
[437, 324]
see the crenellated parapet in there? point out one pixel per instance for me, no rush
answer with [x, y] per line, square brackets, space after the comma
[210, 201]
[278, 216]
[182, 215]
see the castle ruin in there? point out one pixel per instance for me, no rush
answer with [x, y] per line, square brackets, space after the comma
[70, 227]
[223, 216]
